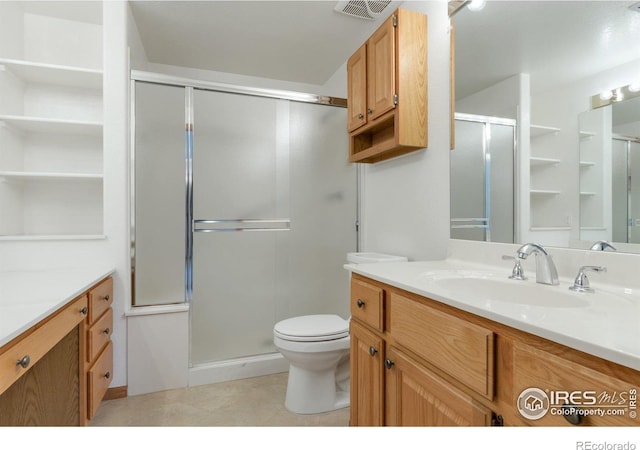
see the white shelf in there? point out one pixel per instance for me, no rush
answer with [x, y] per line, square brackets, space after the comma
[540, 130]
[586, 134]
[52, 126]
[43, 176]
[536, 161]
[550, 229]
[587, 163]
[593, 228]
[587, 193]
[33, 72]
[52, 237]
[543, 192]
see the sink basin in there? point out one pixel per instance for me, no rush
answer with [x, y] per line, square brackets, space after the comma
[491, 288]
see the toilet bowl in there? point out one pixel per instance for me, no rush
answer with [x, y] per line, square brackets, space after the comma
[317, 349]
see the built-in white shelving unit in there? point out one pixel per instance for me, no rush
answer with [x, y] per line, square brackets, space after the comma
[545, 195]
[51, 130]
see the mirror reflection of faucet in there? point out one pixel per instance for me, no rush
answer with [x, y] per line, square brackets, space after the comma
[602, 246]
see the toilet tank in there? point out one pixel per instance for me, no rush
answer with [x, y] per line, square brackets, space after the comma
[371, 257]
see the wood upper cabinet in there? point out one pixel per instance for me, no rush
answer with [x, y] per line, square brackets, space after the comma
[387, 90]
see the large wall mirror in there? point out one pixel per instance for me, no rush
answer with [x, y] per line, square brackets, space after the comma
[547, 165]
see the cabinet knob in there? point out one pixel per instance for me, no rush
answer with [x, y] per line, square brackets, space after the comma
[106, 298]
[360, 116]
[84, 311]
[24, 362]
[107, 375]
[369, 111]
[388, 363]
[360, 303]
[106, 330]
[372, 351]
[572, 414]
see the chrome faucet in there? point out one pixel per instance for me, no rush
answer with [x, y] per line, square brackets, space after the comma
[546, 272]
[581, 284]
[602, 246]
[517, 273]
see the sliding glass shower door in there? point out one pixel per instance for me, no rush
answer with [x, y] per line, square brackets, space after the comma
[274, 209]
[245, 206]
[482, 179]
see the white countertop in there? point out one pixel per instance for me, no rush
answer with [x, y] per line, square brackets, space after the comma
[27, 297]
[609, 330]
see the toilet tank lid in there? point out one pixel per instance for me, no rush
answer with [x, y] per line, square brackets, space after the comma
[317, 325]
[372, 257]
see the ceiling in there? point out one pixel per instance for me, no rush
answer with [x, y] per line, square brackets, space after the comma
[307, 41]
[556, 42]
[298, 41]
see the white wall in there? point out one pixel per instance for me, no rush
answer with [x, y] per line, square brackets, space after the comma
[405, 200]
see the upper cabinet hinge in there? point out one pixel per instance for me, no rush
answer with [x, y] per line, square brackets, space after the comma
[395, 21]
[497, 421]
[395, 99]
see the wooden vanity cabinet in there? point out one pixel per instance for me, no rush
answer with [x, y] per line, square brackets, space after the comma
[387, 90]
[41, 371]
[435, 365]
[99, 354]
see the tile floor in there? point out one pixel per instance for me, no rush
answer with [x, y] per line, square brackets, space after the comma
[252, 402]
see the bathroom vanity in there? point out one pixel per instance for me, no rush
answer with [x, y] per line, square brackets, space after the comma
[56, 358]
[422, 357]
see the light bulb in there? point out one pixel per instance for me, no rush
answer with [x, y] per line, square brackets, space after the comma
[476, 5]
[606, 95]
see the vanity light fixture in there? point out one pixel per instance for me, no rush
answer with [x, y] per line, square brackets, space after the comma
[609, 97]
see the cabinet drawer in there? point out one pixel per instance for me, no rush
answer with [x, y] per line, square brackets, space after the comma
[36, 344]
[461, 349]
[100, 299]
[99, 334]
[607, 401]
[99, 378]
[367, 303]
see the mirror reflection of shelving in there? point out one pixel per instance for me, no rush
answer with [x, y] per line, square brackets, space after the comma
[51, 133]
[547, 212]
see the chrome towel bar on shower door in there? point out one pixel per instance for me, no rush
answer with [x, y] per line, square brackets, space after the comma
[285, 225]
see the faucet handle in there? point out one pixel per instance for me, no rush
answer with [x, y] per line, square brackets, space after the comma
[518, 272]
[581, 283]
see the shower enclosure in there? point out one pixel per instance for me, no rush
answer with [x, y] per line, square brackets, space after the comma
[625, 189]
[482, 179]
[245, 206]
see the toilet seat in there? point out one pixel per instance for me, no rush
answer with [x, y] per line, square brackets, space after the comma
[313, 328]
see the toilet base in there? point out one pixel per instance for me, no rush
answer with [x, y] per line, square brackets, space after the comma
[314, 392]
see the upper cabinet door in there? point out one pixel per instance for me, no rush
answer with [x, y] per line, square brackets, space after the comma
[357, 89]
[381, 58]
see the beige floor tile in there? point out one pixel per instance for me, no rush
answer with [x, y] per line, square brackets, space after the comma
[252, 402]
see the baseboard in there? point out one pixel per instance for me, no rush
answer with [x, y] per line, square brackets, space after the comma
[237, 369]
[115, 393]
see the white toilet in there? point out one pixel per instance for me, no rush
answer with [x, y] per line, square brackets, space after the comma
[317, 348]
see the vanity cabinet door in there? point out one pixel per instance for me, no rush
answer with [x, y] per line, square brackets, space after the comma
[367, 371]
[418, 397]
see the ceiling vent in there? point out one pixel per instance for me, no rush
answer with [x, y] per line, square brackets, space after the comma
[362, 9]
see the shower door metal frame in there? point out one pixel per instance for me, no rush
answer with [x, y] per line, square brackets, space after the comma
[627, 140]
[192, 225]
[485, 222]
